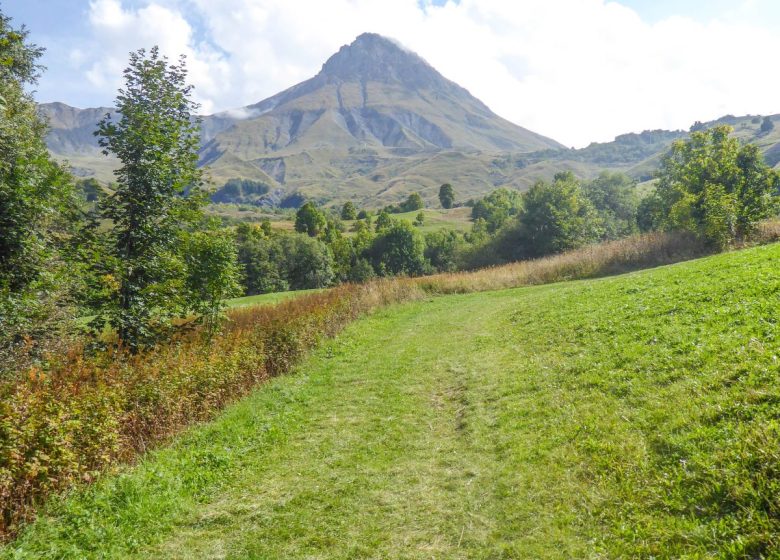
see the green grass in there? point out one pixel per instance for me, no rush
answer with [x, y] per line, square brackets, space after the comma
[458, 219]
[268, 299]
[633, 416]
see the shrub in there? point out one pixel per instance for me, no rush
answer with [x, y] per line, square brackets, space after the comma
[67, 425]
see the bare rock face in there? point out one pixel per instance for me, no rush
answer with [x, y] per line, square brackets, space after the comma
[72, 130]
[372, 99]
[374, 58]
[383, 95]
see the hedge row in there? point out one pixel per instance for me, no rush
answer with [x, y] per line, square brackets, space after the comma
[63, 427]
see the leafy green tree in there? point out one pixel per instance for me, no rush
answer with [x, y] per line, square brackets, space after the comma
[419, 220]
[246, 230]
[285, 261]
[479, 232]
[398, 249]
[767, 125]
[308, 263]
[363, 237]
[613, 195]
[412, 203]
[556, 217]
[496, 208]
[348, 211]
[650, 213]
[361, 271]
[212, 275]
[442, 248]
[310, 220]
[714, 187]
[36, 197]
[344, 256]
[383, 221]
[446, 196]
[157, 199]
[357, 225]
[262, 265]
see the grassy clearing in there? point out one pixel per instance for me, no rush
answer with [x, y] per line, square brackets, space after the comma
[267, 299]
[457, 219]
[633, 416]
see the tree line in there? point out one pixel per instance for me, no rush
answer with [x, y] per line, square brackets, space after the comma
[709, 184]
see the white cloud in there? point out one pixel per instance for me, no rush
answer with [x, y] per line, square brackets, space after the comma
[575, 70]
[117, 31]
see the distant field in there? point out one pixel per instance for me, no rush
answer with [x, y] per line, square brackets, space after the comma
[628, 417]
[455, 219]
[458, 219]
[267, 299]
[245, 213]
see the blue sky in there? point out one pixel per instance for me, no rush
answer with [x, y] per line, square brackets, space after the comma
[634, 64]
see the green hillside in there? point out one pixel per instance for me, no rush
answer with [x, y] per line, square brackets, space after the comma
[634, 416]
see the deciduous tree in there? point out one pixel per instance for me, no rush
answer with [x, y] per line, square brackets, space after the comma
[715, 187]
[310, 220]
[35, 198]
[348, 211]
[157, 201]
[446, 195]
[398, 249]
[556, 217]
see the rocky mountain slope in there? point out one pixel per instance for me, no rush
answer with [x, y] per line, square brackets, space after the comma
[372, 112]
[376, 123]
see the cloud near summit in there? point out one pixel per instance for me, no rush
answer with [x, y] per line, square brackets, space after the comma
[575, 70]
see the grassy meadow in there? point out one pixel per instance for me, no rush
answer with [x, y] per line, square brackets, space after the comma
[267, 299]
[457, 219]
[631, 416]
[454, 219]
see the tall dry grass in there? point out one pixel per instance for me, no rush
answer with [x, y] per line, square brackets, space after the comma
[614, 257]
[67, 425]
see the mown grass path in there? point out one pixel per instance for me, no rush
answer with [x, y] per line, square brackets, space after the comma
[633, 416]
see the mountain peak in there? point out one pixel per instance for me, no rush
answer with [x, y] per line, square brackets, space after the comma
[373, 57]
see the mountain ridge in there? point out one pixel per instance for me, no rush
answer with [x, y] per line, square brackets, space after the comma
[375, 123]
